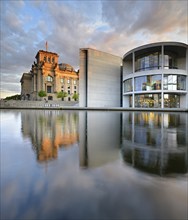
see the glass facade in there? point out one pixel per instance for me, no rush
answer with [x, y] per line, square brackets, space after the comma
[148, 101]
[174, 82]
[153, 61]
[147, 83]
[153, 83]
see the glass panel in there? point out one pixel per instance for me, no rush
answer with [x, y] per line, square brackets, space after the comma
[174, 82]
[140, 83]
[181, 83]
[130, 101]
[170, 60]
[148, 61]
[148, 101]
[171, 101]
[148, 83]
[156, 82]
[49, 78]
[128, 85]
[49, 89]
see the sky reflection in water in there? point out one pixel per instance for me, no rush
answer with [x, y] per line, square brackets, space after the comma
[93, 165]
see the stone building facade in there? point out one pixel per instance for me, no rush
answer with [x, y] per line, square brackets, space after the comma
[49, 76]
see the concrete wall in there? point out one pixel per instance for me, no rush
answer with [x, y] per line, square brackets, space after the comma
[35, 104]
[100, 79]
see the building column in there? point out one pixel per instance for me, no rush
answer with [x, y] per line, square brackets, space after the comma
[186, 105]
[55, 83]
[38, 80]
[34, 82]
[133, 103]
[162, 77]
[133, 58]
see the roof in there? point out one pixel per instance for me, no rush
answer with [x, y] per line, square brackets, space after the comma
[166, 43]
[65, 66]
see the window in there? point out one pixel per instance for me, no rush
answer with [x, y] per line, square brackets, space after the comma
[74, 87]
[148, 101]
[49, 78]
[171, 101]
[148, 61]
[49, 89]
[74, 82]
[147, 83]
[53, 60]
[68, 80]
[62, 80]
[128, 85]
[174, 82]
[181, 83]
[69, 92]
[44, 59]
[170, 61]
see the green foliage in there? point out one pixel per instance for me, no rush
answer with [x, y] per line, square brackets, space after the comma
[75, 96]
[14, 97]
[61, 95]
[42, 93]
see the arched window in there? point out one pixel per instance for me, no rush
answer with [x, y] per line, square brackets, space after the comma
[49, 78]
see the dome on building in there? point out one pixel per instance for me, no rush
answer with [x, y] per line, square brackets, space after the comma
[65, 66]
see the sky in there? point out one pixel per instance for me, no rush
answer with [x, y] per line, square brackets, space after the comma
[113, 26]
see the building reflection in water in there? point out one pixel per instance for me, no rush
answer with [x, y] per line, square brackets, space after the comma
[99, 138]
[49, 131]
[156, 142]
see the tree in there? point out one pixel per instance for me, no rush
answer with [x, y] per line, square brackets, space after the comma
[61, 95]
[75, 96]
[14, 97]
[42, 93]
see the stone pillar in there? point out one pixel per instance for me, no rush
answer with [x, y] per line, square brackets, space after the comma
[39, 79]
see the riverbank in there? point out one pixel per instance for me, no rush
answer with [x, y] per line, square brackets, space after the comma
[63, 105]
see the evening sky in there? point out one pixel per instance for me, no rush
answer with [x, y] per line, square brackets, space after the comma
[110, 26]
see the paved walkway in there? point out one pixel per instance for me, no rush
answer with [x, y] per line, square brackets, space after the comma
[63, 105]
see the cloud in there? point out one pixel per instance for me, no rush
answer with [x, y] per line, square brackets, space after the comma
[110, 26]
[148, 17]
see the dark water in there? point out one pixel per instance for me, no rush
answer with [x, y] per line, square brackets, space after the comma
[94, 165]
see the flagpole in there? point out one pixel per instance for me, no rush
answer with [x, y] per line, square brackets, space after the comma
[46, 46]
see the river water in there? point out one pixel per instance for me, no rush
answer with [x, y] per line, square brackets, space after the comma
[93, 165]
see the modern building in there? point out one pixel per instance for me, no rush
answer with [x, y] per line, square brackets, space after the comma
[99, 78]
[156, 76]
[49, 76]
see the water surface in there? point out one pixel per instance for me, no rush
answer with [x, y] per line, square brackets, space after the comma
[93, 165]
